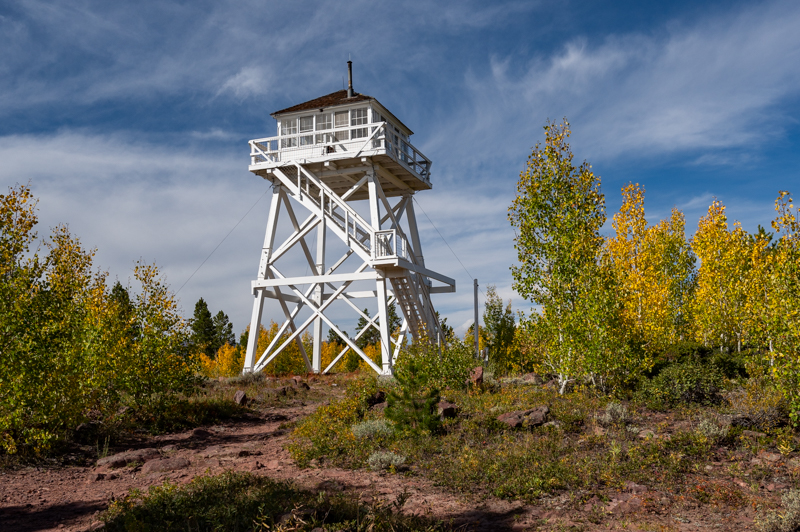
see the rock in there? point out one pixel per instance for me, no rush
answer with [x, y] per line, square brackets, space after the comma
[591, 503]
[752, 434]
[274, 418]
[97, 477]
[532, 377]
[621, 507]
[240, 398]
[376, 398]
[512, 419]
[87, 431]
[285, 390]
[476, 375]
[446, 410]
[537, 417]
[635, 488]
[525, 418]
[165, 464]
[129, 457]
[201, 434]
[646, 434]
[776, 486]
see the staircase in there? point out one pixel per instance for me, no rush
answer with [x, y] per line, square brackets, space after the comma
[348, 225]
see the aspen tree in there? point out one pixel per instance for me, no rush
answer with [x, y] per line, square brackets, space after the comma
[785, 304]
[557, 213]
[655, 269]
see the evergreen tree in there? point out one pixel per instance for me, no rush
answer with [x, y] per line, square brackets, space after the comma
[447, 331]
[223, 330]
[126, 310]
[414, 407]
[371, 335]
[203, 332]
[499, 326]
[334, 338]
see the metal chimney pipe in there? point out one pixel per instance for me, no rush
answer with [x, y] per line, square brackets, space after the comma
[350, 92]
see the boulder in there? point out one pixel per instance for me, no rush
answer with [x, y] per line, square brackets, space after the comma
[635, 488]
[532, 377]
[446, 410]
[240, 398]
[201, 434]
[476, 375]
[165, 464]
[534, 417]
[376, 398]
[537, 416]
[129, 457]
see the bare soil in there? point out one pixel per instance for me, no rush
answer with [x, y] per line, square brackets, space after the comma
[70, 498]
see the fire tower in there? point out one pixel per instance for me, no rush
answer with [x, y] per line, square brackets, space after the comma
[347, 161]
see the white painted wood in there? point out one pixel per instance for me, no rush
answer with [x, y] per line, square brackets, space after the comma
[324, 178]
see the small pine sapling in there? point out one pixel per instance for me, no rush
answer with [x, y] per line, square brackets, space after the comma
[413, 407]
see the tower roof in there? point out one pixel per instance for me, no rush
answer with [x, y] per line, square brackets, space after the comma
[329, 100]
[336, 99]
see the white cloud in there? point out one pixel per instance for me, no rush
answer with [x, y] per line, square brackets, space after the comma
[705, 86]
[249, 81]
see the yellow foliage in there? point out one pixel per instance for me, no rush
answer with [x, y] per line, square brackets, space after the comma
[654, 270]
[730, 279]
[228, 362]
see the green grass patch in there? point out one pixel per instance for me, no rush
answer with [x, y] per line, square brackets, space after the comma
[234, 502]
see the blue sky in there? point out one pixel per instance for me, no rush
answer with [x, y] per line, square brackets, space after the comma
[131, 120]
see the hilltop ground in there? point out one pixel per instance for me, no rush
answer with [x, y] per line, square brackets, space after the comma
[722, 490]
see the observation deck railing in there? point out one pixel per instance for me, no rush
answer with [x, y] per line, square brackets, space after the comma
[335, 143]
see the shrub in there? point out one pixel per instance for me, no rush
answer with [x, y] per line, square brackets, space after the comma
[713, 431]
[71, 350]
[327, 432]
[372, 428]
[688, 382]
[615, 414]
[384, 460]
[758, 405]
[242, 501]
[786, 521]
[442, 367]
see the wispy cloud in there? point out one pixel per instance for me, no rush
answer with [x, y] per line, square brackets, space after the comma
[713, 84]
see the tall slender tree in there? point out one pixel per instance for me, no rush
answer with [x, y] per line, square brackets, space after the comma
[557, 214]
[203, 332]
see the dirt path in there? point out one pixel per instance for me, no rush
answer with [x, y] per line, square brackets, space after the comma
[70, 498]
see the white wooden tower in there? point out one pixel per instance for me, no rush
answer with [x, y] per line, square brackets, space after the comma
[331, 156]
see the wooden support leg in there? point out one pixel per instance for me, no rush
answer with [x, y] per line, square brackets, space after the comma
[252, 338]
[383, 324]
